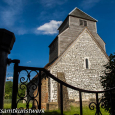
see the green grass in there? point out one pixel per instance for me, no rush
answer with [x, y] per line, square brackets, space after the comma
[74, 110]
[8, 105]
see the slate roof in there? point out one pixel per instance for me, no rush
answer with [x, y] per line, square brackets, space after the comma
[80, 14]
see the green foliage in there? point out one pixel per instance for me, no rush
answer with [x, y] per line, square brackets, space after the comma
[108, 81]
[21, 90]
[8, 90]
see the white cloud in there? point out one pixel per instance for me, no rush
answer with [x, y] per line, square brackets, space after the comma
[49, 28]
[87, 4]
[9, 78]
[29, 62]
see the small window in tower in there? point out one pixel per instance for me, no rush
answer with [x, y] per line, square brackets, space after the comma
[85, 23]
[86, 61]
[81, 22]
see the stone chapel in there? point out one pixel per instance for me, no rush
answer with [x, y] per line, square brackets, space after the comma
[79, 53]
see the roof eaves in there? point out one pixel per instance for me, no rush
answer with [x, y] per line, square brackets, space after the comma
[100, 37]
[63, 22]
[82, 18]
[53, 40]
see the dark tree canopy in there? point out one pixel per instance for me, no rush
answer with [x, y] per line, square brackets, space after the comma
[108, 81]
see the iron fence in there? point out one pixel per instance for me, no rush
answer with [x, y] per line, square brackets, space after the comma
[39, 71]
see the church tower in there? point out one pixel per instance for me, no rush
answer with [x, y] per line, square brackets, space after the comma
[69, 30]
[79, 53]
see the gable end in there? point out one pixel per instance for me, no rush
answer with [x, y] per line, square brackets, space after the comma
[80, 14]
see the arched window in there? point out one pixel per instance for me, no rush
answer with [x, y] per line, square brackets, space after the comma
[86, 63]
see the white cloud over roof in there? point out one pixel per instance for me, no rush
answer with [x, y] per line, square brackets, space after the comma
[29, 62]
[9, 78]
[49, 28]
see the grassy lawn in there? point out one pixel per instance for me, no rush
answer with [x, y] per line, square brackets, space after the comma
[8, 105]
[74, 110]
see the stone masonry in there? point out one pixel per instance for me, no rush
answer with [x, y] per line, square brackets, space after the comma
[72, 63]
[79, 53]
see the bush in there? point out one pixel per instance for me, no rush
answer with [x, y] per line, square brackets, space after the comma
[108, 81]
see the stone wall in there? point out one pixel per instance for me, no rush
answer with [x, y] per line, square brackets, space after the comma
[44, 94]
[52, 106]
[66, 105]
[72, 63]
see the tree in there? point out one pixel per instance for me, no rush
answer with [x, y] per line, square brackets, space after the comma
[21, 90]
[108, 81]
[8, 90]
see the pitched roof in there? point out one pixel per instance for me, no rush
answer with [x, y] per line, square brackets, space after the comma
[53, 41]
[80, 14]
[93, 37]
[76, 12]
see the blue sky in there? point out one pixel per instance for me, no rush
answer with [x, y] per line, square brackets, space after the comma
[35, 23]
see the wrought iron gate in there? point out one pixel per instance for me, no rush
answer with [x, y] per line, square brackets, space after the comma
[39, 71]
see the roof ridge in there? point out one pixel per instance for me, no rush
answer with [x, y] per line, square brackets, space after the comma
[73, 10]
[83, 12]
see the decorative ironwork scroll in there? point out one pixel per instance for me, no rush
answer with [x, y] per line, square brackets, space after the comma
[94, 105]
[30, 86]
[35, 84]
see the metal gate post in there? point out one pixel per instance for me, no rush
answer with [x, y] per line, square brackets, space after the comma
[39, 90]
[7, 40]
[15, 84]
[97, 105]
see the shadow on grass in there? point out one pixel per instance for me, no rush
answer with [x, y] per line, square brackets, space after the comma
[52, 113]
